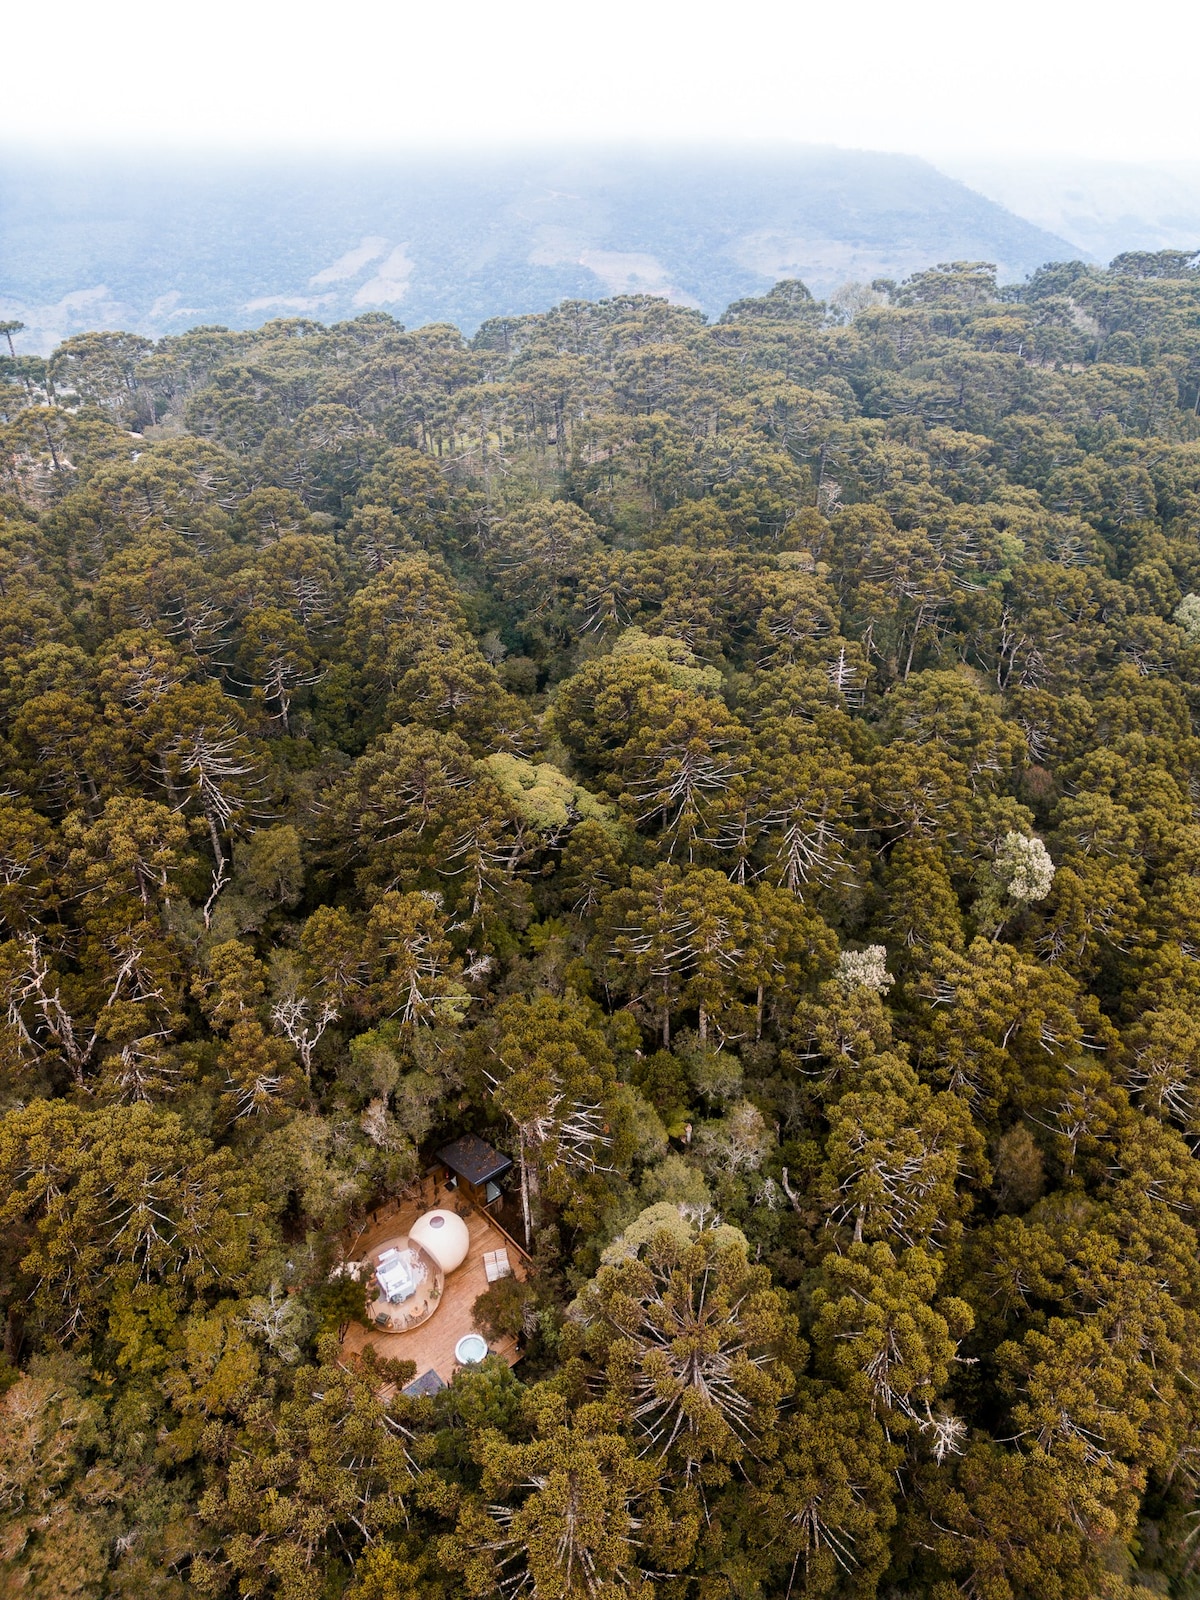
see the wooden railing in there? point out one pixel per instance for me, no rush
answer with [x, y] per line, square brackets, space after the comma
[500, 1228]
[428, 1196]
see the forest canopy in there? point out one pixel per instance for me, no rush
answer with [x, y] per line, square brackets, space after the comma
[748, 772]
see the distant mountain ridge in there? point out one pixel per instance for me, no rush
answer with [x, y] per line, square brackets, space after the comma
[157, 248]
[1103, 207]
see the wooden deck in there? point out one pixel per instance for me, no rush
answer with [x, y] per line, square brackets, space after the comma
[431, 1346]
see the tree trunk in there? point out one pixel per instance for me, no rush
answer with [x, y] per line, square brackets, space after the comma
[793, 1197]
[525, 1194]
[215, 835]
[14, 1335]
[50, 443]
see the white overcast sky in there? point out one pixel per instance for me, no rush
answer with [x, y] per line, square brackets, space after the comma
[936, 77]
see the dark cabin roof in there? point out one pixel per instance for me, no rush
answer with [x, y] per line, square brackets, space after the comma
[428, 1383]
[474, 1159]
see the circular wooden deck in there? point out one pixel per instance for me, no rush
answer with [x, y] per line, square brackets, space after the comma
[430, 1346]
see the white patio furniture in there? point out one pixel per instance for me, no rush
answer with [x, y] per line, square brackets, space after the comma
[496, 1265]
[394, 1276]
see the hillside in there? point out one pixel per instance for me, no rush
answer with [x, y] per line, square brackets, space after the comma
[1103, 207]
[157, 249]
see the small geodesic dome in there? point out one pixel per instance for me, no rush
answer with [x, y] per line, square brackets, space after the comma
[443, 1236]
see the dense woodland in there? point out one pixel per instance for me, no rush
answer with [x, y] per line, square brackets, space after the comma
[746, 770]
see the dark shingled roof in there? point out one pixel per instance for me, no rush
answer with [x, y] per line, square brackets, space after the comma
[427, 1383]
[474, 1159]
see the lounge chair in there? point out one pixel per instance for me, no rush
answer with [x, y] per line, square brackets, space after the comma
[496, 1265]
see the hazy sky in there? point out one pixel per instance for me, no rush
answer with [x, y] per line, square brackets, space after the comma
[928, 76]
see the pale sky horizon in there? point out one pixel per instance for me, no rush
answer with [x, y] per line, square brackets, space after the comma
[1032, 78]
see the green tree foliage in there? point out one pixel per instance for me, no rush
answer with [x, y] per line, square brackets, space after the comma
[559, 1517]
[326, 1473]
[746, 771]
[697, 1345]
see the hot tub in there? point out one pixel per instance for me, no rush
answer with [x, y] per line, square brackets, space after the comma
[470, 1348]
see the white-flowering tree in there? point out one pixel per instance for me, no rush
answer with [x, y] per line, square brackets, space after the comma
[864, 969]
[1021, 873]
[1024, 867]
[1187, 616]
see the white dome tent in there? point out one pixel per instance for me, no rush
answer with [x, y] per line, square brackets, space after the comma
[443, 1236]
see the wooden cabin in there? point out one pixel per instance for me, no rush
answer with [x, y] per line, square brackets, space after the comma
[475, 1168]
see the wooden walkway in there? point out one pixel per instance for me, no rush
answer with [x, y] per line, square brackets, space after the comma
[431, 1346]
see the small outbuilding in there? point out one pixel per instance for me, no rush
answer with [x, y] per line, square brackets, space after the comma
[429, 1383]
[443, 1236]
[476, 1166]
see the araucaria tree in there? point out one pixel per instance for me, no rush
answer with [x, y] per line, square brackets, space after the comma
[746, 772]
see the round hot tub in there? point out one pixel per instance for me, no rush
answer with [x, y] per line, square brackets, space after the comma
[472, 1347]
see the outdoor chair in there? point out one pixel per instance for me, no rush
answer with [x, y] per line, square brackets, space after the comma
[496, 1265]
